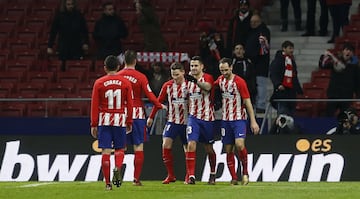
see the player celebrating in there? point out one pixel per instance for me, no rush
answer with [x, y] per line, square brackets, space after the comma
[111, 98]
[235, 95]
[201, 118]
[140, 86]
[176, 91]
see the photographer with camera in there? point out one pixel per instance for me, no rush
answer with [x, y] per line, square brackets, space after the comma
[284, 124]
[348, 122]
[211, 46]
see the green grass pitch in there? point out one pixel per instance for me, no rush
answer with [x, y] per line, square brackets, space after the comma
[177, 190]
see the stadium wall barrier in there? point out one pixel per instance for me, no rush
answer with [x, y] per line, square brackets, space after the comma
[271, 158]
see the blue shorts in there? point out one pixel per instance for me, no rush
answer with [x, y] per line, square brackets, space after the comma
[172, 130]
[231, 130]
[138, 134]
[111, 137]
[200, 130]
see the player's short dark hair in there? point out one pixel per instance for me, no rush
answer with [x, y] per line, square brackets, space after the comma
[111, 62]
[349, 46]
[130, 56]
[107, 3]
[225, 60]
[177, 65]
[287, 43]
[197, 58]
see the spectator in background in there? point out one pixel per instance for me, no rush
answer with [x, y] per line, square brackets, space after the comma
[108, 31]
[70, 26]
[245, 69]
[283, 74]
[211, 47]
[158, 76]
[344, 80]
[339, 11]
[284, 6]
[257, 49]
[239, 27]
[150, 26]
[310, 18]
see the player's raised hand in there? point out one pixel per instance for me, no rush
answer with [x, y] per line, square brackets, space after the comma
[191, 78]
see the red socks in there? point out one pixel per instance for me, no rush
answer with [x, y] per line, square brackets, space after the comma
[230, 159]
[105, 165]
[119, 158]
[190, 162]
[168, 160]
[212, 162]
[138, 163]
[244, 161]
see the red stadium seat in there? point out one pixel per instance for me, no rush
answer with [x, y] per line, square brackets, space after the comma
[12, 110]
[95, 75]
[29, 88]
[71, 77]
[42, 77]
[78, 65]
[39, 110]
[19, 65]
[84, 89]
[322, 75]
[11, 76]
[28, 54]
[62, 88]
[69, 111]
[6, 88]
[20, 44]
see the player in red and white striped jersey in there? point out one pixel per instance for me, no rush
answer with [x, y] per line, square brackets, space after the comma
[236, 106]
[140, 86]
[111, 98]
[175, 92]
[201, 118]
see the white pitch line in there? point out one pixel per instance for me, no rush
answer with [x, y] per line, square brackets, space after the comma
[37, 184]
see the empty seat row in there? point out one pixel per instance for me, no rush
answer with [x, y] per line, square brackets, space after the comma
[46, 109]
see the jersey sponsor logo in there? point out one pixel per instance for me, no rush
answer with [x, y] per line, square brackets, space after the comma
[314, 163]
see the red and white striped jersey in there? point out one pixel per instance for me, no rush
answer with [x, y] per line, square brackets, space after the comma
[201, 103]
[111, 98]
[233, 92]
[177, 97]
[140, 86]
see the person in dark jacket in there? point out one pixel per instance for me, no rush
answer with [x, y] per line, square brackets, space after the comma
[257, 49]
[70, 26]
[239, 27]
[284, 5]
[283, 75]
[344, 80]
[150, 26]
[243, 67]
[108, 32]
[339, 11]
